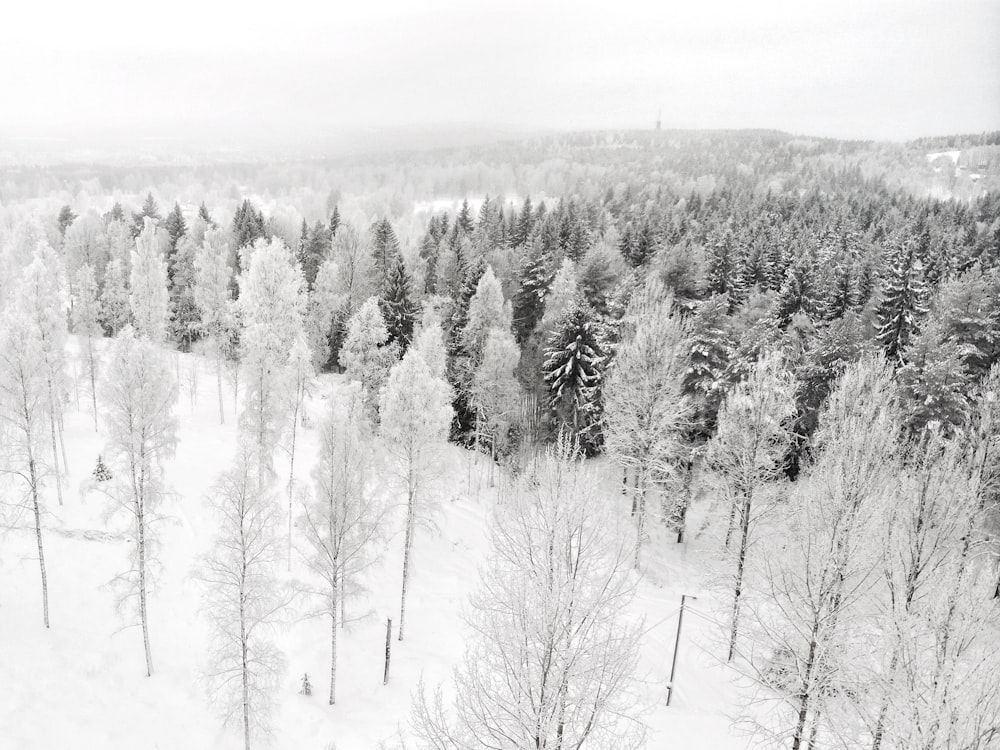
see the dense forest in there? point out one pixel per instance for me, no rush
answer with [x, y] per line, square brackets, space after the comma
[810, 327]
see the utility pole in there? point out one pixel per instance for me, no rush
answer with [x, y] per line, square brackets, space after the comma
[677, 644]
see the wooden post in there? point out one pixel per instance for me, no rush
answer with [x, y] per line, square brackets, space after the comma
[388, 647]
[677, 643]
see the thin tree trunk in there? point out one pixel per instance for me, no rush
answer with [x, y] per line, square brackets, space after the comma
[641, 519]
[800, 726]
[218, 380]
[291, 480]
[245, 672]
[143, 614]
[740, 566]
[60, 423]
[333, 639]
[406, 556]
[93, 378]
[55, 449]
[38, 534]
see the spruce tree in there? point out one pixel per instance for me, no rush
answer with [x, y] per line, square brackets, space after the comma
[903, 299]
[397, 308]
[385, 247]
[572, 371]
[248, 227]
[533, 280]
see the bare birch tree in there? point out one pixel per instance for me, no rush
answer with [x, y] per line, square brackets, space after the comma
[138, 395]
[819, 574]
[241, 598]
[748, 452]
[645, 410]
[416, 413]
[23, 398]
[341, 520]
[553, 654]
[42, 297]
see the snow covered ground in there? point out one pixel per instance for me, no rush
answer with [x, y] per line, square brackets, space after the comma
[83, 684]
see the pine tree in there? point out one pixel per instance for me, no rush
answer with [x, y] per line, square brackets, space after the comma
[903, 300]
[397, 308]
[573, 372]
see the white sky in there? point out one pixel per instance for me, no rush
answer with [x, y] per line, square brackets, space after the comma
[852, 68]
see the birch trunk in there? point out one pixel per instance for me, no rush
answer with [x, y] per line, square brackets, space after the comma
[406, 550]
[740, 567]
[55, 448]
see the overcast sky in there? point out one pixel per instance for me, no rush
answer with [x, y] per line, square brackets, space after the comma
[853, 68]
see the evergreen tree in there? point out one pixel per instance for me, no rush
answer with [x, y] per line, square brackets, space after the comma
[573, 371]
[533, 279]
[525, 223]
[464, 219]
[397, 308]
[149, 211]
[385, 248]
[315, 247]
[903, 300]
[248, 227]
[65, 219]
[796, 294]
[934, 384]
[334, 222]
[175, 227]
[711, 346]
[205, 216]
